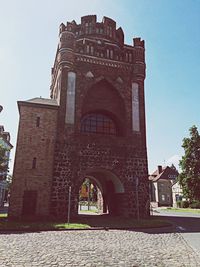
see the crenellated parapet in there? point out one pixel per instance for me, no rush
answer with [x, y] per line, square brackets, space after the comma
[90, 27]
[98, 43]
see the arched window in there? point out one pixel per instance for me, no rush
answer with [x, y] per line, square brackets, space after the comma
[98, 123]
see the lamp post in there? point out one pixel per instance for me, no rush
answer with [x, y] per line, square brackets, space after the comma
[69, 204]
[88, 194]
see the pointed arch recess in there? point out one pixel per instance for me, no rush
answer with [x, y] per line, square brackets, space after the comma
[103, 98]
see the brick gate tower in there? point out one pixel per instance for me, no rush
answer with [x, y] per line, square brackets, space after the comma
[92, 126]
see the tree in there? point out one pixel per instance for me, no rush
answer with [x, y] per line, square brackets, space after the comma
[3, 159]
[189, 178]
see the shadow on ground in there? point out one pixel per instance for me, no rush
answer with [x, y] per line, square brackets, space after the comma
[107, 222]
[156, 225]
[178, 224]
[184, 224]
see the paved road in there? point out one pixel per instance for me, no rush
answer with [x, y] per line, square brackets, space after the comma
[96, 248]
[188, 224]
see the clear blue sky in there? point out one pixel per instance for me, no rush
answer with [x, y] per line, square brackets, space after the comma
[171, 30]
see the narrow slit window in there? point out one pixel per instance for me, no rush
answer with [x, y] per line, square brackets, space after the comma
[34, 163]
[111, 54]
[87, 49]
[38, 122]
[86, 27]
[107, 53]
[92, 50]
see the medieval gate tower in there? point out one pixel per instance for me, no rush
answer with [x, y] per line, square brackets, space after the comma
[92, 126]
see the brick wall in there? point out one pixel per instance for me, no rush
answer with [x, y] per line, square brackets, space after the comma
[71, 155]
[112, 66]
[34, 142]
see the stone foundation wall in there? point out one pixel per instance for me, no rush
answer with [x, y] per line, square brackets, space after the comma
[73, 162]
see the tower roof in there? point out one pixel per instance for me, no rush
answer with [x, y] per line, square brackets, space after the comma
[39, 101]
[44, 101]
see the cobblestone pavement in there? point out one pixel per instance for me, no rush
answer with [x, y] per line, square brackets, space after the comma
[95, 248]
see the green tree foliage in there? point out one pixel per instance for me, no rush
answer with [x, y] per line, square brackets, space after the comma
[3, 159]
[189, 178]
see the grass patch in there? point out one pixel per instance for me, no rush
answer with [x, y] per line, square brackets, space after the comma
[85, 222]
[183, 210]
[3, 215]
[39, 226]
[71, 226]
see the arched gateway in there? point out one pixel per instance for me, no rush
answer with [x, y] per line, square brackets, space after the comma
[93, 126]
[112, 189]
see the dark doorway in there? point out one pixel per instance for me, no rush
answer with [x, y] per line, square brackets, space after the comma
[29, 203]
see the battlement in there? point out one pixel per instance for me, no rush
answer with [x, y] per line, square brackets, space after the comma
[90, 26]
[106, 29]
[96, 42]
[137, 42]
[88, 18]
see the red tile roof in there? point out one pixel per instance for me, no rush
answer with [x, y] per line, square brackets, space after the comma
[166, 173]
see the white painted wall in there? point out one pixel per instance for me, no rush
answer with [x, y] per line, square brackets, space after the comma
[70, 103]
[135, 108]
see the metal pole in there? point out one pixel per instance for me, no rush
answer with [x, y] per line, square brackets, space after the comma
[137, 198]
[69, 204]
[88, 194]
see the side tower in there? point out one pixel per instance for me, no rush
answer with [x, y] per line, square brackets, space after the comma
[98, 83]
[33, 167]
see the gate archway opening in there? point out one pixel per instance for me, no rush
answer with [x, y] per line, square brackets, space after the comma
[90, 197]
[101, 192]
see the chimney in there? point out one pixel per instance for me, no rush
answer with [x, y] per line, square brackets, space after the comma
[159, 169]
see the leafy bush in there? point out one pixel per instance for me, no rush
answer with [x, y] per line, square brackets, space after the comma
[195, 205]
[182, 204]
[185, 204]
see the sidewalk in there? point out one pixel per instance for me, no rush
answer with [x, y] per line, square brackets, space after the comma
[4, 210]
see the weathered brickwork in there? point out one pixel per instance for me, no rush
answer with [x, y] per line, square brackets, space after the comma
[76, 161]
[94, 73]
[34, 142]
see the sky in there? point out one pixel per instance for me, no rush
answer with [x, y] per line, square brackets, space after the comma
[171, 30]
